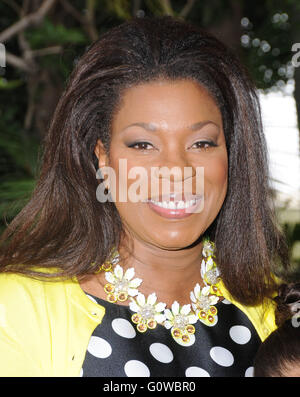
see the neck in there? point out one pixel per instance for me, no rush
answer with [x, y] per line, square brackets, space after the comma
[171, 274]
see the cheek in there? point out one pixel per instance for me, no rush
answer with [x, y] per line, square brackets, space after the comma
[132, 180]
[216, 176]
[130, 189]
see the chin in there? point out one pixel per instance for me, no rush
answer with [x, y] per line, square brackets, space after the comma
[175, 243]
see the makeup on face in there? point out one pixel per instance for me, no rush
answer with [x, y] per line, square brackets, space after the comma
[169, 126]
[146, 140]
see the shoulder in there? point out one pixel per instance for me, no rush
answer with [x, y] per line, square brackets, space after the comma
[22, 288]
[10, 282]
[18, 291]
[42, 323]
[23, 327]
[42, 301]
[46, 298]
[262, 316]
[26, 300]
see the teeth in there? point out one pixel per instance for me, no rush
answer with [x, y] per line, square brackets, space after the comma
[181, 205]
[169, 204]
[190, 203]
[175, 205]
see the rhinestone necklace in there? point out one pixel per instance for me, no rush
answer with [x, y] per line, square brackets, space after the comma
[148, 313]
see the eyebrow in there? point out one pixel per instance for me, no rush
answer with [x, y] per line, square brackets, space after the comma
[153, 128]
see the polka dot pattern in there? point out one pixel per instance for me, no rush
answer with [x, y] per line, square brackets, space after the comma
[123, 328]
[249, 372]
[161, 352]
[91, 298]
[99, 347]
[221, 356]
[136, 368]
[196, 372]
[117, 349]
[240, 334]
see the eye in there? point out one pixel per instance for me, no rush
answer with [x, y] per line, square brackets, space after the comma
[140, 145]
[204, 144]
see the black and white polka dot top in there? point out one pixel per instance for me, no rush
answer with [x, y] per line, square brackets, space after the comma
[117, 349]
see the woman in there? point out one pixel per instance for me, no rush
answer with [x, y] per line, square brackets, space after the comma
[153, 284]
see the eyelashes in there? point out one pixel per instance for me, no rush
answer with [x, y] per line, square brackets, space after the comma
[207, 144]
[142, 146]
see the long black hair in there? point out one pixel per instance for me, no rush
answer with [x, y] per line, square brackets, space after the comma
[63, 226]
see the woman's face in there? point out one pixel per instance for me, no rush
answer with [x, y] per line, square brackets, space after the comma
[169, 109]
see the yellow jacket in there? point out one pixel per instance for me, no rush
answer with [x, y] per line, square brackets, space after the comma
[45, 326]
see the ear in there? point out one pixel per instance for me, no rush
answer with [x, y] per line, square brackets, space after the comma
[101, 154]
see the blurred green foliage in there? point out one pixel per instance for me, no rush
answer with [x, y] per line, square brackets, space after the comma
[50, 33]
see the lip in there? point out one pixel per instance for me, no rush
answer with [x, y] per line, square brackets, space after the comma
[174, 213]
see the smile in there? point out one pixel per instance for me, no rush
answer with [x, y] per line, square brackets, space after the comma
[174, 209]
[175, 205]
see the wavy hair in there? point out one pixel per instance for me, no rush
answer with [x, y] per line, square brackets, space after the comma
[63, 226]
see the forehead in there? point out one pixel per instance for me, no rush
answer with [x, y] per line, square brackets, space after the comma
[171, 104]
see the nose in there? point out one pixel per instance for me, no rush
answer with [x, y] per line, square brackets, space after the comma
[173, 164]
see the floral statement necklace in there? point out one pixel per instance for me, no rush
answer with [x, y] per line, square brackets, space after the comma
[148, 312]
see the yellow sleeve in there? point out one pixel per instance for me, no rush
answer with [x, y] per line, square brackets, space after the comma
[262, 316]
[19, 330]
[14, 360]
[45, 326]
